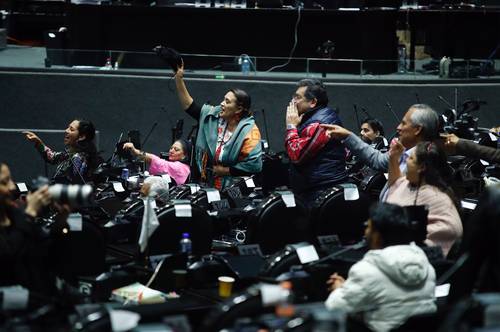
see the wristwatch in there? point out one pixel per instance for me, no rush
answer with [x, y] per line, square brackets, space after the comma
[290, 126]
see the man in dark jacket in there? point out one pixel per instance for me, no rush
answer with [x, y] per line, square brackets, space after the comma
[317, 163]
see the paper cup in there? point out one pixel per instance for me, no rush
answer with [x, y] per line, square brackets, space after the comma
[225, 286]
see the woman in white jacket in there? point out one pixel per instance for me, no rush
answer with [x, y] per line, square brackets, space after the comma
[393, 281]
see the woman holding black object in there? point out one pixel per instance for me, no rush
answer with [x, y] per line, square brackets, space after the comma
[79, 159]
[228, 142]
[177, 165]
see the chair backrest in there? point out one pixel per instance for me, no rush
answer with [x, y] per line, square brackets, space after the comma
[246, 304]
[79, 253]
[273, 225]
[332, 214]
[166, 237]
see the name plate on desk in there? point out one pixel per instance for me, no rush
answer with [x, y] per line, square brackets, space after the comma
[249, 249]
[220, 205]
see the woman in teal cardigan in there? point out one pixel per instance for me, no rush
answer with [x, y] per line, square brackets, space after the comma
[229, 141]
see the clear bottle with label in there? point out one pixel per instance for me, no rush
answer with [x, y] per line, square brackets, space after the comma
[108, 65]
[402, 64]
[186, 245]
[245, 64]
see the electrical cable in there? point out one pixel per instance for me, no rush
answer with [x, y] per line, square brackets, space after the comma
[299, 7]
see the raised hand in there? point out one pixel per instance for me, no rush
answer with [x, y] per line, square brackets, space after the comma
[32, 137]
[292, 114]
[130, 146]
[396, 149]
[180, 71]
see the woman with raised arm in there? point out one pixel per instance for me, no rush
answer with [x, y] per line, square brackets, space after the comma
[228, 142]
[424, 184]
[78, 160]
[177, 165]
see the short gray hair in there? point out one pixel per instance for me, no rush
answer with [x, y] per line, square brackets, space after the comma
[158, 186]
[425, 117]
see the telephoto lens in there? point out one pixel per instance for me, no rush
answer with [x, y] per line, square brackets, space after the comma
[73, 194]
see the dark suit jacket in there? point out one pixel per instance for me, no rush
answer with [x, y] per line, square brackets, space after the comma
[474, 150]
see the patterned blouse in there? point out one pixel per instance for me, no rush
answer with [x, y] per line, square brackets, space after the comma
[72, 167]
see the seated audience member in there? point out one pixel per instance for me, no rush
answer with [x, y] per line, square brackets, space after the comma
[471, 149]
[393, 281]
[372, 132]
[424, 184]
[156, 187]
[177, 165]
[77, 162]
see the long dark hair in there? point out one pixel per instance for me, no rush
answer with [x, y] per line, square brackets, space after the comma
[86, 128]
[436, 171]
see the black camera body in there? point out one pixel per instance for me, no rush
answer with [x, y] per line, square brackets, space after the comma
[170, 56]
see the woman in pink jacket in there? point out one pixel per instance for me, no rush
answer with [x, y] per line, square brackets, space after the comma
[177, 165]
[424, 184]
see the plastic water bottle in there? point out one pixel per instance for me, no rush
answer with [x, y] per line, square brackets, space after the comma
[245, 65]
[401, 59]
[108, 65]
[186, 244]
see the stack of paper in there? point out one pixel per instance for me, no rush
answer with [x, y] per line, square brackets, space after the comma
[137, 293]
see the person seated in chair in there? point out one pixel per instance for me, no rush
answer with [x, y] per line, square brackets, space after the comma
[177, 165]
[426, 183]
[372, 132]
[393, 281]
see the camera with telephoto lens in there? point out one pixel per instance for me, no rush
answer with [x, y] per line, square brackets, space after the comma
[72, 194]
[461, 123]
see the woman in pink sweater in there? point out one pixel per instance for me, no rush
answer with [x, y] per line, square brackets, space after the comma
[177, 165]
[424, 184]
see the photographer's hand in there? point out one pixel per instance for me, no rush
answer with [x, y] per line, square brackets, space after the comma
[63, 211]
[35, 201]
